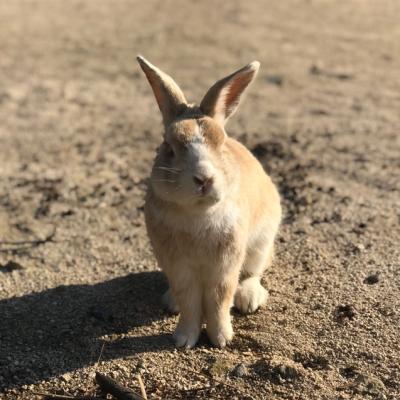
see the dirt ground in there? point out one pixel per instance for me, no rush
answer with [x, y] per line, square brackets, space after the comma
[78, 130]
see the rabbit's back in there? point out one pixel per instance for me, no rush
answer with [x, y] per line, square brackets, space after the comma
[257, 196]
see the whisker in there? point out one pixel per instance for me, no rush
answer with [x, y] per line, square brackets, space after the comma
[164, 180]
[174, 170]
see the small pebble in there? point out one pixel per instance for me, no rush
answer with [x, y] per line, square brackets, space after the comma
[372, 279]
[66, 377]
[240, 371]
[360, 247]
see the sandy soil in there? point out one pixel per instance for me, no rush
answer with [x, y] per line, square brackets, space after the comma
[78, 131]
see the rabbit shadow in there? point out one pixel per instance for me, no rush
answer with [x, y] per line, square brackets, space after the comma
[58, 330]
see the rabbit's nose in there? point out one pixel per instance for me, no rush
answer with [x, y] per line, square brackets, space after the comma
[203, 183]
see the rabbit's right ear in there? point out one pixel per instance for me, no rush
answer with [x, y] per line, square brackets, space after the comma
[169, 96]
[222, 99]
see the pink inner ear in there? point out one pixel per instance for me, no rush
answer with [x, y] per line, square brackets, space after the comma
[233, 91]
[158, 93]
[170, 98]
[222, 99]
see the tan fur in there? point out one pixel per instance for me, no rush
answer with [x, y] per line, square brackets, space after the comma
[182, 131]
[214, 135]
[213, 244]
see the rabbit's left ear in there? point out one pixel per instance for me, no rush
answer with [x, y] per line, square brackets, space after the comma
[222, 99]
[169, 96]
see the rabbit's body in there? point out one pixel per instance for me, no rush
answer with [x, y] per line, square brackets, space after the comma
[212, 215]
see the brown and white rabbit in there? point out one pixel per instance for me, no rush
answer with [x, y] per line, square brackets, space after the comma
[211, 211]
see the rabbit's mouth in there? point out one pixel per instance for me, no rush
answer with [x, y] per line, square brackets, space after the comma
[208, 197]
[205, 186]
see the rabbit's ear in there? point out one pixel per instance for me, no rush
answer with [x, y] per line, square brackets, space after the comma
[169, 96]
[222, 99]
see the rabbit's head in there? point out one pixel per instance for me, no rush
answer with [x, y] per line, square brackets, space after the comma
[194, 164]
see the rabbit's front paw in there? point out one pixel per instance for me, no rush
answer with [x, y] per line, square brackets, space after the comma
[169, 302]
[250, 295]
[221, 334]
[186, 337]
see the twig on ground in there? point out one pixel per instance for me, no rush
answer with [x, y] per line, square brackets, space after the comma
[101, 353]
[299, 257]
[27, 243]
[110, 386]
[51, 396]
[142, 388]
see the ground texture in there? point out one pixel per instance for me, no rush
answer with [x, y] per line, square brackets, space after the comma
[78, 130]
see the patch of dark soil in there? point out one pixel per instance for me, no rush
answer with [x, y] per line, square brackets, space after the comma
[10, 266]
[372, 279]
[245, 343]
[289, 174]
[313, 361]
[345, 312]
[278, 371]
[369, 385]
[275, 79]
[348, 372]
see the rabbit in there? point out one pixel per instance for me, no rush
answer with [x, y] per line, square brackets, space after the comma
[211, 211]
